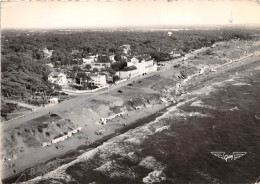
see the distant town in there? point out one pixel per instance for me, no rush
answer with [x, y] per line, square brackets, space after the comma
[95, 70]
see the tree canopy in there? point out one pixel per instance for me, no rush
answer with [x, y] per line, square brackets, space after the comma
[24, 53]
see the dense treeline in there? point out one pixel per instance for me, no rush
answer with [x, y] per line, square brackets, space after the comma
[23, 56]
[21, 75]
[70, 45]
[7, 108]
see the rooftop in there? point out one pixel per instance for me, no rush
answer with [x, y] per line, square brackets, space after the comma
[129, 68]
[55, 74]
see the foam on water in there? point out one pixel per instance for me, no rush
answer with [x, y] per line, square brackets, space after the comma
[241, 84]
[230, 80]
[199, 103]
[190, 114]
[154, 176]
[171, 109]
[162, 128]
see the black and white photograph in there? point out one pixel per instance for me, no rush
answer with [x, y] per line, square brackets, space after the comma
[130, 92]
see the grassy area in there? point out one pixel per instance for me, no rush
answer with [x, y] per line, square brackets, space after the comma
[12, 111]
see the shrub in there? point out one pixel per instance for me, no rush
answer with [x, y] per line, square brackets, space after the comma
[27, 130]
[47, 134]
[44, 125]
[40, 129]
[54, 115]
[78, 87]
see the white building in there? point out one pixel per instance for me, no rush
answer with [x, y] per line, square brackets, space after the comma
[54, 100]
[100, 66]
[136, 67]
[125, 49]
[57, 78]
[112, 58]
[128, 72]
[62, 138]
[47, 53]
[175, 53]
[50, 65]
[98, 80]
[143, 66]
[44, 144]
[90, 59]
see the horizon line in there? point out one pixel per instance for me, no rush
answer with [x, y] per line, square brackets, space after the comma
[137, 26]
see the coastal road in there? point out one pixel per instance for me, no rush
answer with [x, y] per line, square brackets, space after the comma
[65, 105]
[79, 98]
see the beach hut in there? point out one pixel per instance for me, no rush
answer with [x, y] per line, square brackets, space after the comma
[80, 128]
[103, 121]
[69, 134]
[44, 144]
[54, 100]
[74, 131]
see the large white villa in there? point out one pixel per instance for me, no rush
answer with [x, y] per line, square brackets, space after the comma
[58, 78]
[98, 80]
[136, 67]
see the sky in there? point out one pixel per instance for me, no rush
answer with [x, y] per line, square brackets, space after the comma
[45, 15]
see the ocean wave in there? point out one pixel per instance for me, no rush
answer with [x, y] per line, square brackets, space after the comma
[171, 109]
[207, 89]
[234, 109]
[257, 117]
[150, 163]
[241, 84]
[162, 128]
[230, 80]
[134, 140]
[199, 103]
[190, 114]
[154, 177]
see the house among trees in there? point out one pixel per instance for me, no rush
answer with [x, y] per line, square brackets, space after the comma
[112, 58]
[53, 100]
[90, 59]
[50, 65]
[98, 80]
[47, 53]
[128, 72]
[57, 78]
[125, 49]
[100, 66]
[175, 53]
[136, 67]
[144, 65]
